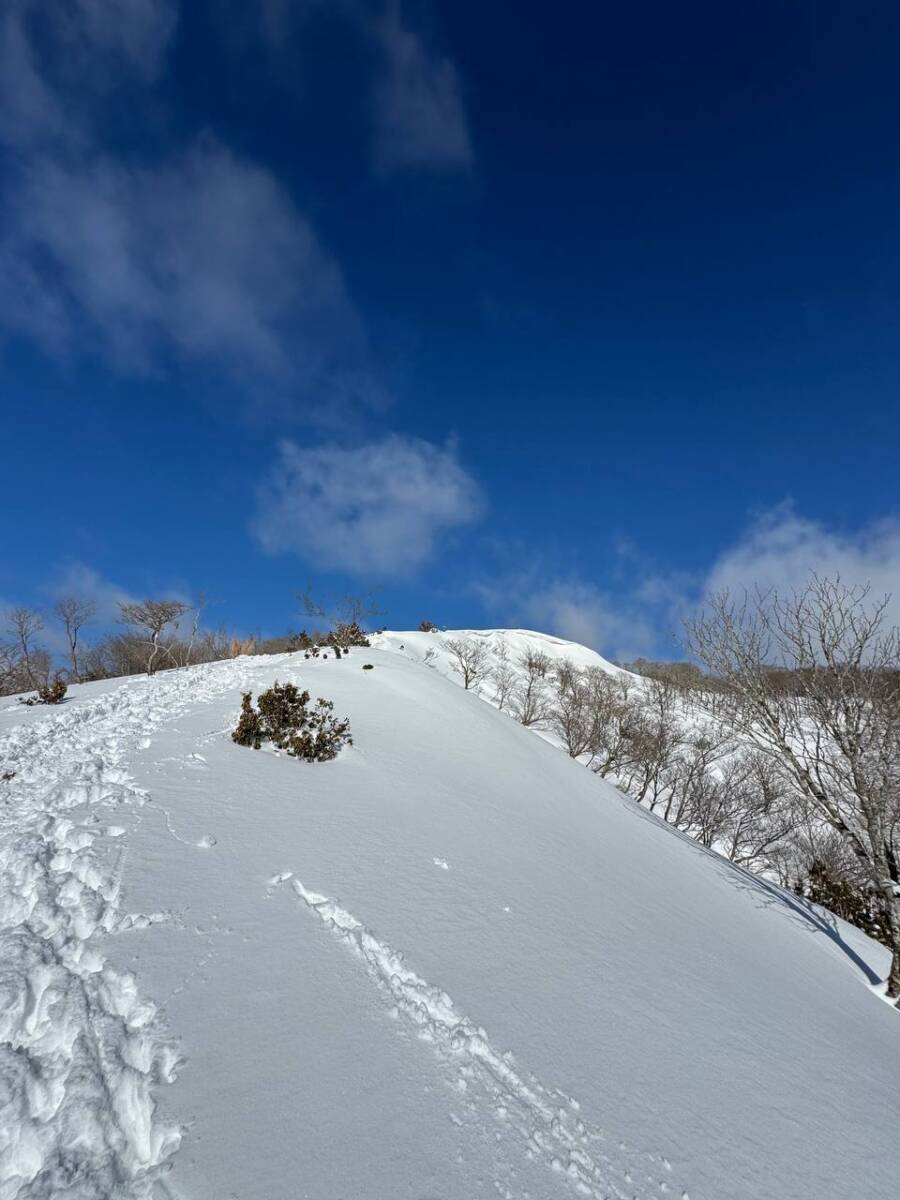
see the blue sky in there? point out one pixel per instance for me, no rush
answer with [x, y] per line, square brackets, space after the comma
[558, 318]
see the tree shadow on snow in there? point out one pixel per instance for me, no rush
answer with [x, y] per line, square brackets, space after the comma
[802, 912]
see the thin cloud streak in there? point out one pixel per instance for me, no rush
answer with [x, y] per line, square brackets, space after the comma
[199, 255]
[420, 120]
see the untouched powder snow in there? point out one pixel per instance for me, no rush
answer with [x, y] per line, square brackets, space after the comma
[450, 964]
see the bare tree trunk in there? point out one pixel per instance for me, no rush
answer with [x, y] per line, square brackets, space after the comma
[25, 624]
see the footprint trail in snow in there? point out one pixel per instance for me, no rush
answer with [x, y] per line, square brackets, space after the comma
[80, 1049]
[547, 1122]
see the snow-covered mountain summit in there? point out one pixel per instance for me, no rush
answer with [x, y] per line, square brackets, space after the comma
[513, 643]
[452, 963]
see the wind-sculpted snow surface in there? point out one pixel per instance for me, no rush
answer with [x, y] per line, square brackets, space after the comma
[80, 1048]
[548, 1122]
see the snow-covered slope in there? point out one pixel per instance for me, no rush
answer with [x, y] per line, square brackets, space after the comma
[450, 964]
[432, 648]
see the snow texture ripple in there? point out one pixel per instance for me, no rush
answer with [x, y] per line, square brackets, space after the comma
[547, 1121]
[80, 1049]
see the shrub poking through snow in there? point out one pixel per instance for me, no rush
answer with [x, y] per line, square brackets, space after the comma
[53, 693]
[50, 693]
[368, 667]
[348, 633]
[249, 729]
[283, 717]
[428, 627]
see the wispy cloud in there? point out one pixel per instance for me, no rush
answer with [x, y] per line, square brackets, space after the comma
[782, 548]
[377, 510]
[200, 254]
[642, 610]
[620, 625]
[420, 120]
[103, 36]
[203, 253]
[84, 582]
[417, 107]
[60, 57]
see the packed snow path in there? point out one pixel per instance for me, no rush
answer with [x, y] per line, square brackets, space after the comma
[79, 1046]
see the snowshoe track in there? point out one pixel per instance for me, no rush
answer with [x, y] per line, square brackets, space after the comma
[547, 1121]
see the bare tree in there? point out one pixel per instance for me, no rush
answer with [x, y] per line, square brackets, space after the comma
[347, 614]
[74, 614]
[10, 668]
[574, 713]
[24, 626]
[684, 674]
[503, 676]
[468, 658]
[812, 679]
[188, 647]
[762, 820]
[651, 734]
[153, 617]
[617, 715]
[531, 701]
[690, 772]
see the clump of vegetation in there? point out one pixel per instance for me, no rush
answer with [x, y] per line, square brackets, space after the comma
[348, 633]
[368, 667]
[428, 627]
[249, 729]
[283, 717]
[48, 693]
[53, 693]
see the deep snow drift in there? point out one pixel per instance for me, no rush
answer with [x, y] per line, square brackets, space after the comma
[450, 964]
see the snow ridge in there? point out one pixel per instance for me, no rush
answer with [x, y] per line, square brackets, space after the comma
[546, 1119]
[80, 1050]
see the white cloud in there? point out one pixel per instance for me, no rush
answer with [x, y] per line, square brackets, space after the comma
[28, 108]
[643, 614]
[203, 254]
[585, 614]
[87, 46]
[376, 509]
[138, 31]
[620, 627]
[420, 118]
[781, 549]
[200, 255]
[79, 580]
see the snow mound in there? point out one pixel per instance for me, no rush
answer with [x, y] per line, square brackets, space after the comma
[432, 649]
[452, 963]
